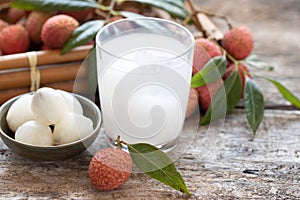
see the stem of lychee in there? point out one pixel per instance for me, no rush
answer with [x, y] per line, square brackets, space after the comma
[119, 142]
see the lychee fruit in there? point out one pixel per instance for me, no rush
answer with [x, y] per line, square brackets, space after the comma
[3, 24]
[34, 25]
[14, 39]
[109, 169]
[15, 14]
[115, 18]
[207, 93]
[242, 70]
[238, 42]
[81, 15]
[57, 30]
[192, 103]
[204, 50]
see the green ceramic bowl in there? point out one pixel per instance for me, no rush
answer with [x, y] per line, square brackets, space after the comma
[51, 153]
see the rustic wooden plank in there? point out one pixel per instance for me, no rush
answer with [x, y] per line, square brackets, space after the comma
[234, 168]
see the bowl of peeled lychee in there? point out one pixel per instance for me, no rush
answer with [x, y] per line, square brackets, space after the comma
[49, 124]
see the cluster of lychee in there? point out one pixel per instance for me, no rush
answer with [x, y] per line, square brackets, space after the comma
[34, 30]
[48, 117]
[238, 43]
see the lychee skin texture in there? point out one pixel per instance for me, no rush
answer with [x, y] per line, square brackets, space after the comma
[192, 103]
[109, 169]
[207, 92]
[14, 39]
[34, 25]
[57, 30]
[3, 24]
[238, 42]
[81, 15]
[242, 70]
[15, 14]
[204, 50]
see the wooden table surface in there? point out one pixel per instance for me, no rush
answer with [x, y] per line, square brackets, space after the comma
[233, 167]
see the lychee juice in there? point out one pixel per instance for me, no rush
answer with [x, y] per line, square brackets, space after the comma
[144, 87]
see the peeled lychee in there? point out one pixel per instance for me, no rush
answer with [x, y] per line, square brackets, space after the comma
[207, 92]
[3, 24]
[73, 104]
[238, 42]
[204, 50]
[35, 133]
[57, 30]
[72, 127]
[14, 39]
[15, 14]
[109, 169]
[243, 71]
[34, 25]
[19, 112]
[192, 103]
[48, 105]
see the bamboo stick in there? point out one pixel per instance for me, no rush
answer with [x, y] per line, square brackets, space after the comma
[44, 57]
[68, 86]
[49, 74]
[203, 23]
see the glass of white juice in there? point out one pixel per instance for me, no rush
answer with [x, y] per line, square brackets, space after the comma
[144, 68]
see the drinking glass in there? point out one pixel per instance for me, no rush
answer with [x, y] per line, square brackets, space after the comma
[144, 68]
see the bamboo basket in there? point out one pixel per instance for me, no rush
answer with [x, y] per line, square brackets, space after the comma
[60, 71]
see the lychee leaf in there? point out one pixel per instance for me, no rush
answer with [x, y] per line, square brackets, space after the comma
[257, 63]
[254, 104]
[167, 5]
[130, 14]
[157, 165]
[226, 98]
[83, 34]
[286, 93]
[54, 5]
[212, 72]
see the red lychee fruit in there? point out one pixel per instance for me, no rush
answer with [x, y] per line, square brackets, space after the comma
[192, 103]
[3, 24]
[242, 70]
[14, 39]
[238, 42]
[34, 25]
[207, 92]
[57, 30]
[15, 14]
[109, 169]
[204, 50]
[115, 18]
[81, 15]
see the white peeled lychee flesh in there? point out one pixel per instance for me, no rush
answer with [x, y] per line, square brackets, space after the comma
[34, 133]
[73, 103]
[48, 105]
[19, 112]
[71, 128]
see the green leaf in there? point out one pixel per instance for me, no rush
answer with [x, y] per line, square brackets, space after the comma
[254, 104]
[157, 165]
[256, 62]
[173, 9]
[225, 99]
[83, 34]
[178, 3]
[130, 14]
[51, 5]
[211, 72]
[287, 94]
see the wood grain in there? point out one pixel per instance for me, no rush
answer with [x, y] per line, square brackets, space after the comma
[234, 167]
